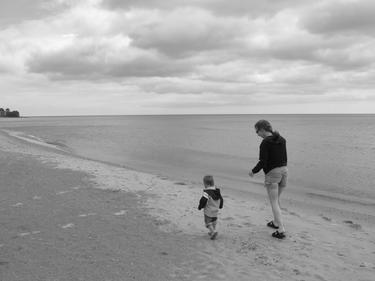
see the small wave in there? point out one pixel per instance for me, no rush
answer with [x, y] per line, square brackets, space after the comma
[57, 143]
[37, 140]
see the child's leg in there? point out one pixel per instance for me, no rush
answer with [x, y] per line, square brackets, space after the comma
[211, 228]
[214, 234]
[214, 224]
[208, 223]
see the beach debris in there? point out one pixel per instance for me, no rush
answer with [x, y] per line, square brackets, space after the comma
[325, 218]
[19, 204]
[69, 225]
[352, 224]
[121, 213]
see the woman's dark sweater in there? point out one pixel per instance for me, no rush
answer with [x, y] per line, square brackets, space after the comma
[272, 153]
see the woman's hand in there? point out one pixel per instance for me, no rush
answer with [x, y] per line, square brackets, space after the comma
[251, 174]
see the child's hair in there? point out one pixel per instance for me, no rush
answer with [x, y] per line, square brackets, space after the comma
[208, 180]
[263, 124]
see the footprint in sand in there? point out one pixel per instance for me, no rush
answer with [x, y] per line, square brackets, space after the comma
[293, 214]
[228, 219]
[263, 260]
[318, 277]
[180, 183]
[69, 225]
[19, 204]
[120, 213]
[234, 225]
[247, 246]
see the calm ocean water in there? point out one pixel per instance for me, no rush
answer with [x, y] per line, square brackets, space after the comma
[328, 153]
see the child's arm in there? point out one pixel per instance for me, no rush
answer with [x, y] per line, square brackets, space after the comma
[203, 201]
[221, 201]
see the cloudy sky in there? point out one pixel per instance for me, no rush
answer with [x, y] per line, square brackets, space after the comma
[72, 57]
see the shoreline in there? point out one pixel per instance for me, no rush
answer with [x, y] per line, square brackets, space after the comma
[306, 200]
[244, 247]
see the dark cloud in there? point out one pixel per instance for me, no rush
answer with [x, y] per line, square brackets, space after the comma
[344, 59]
[88, 62]
[16, 11]
[150, 67]
[339, 17]
[341, 54]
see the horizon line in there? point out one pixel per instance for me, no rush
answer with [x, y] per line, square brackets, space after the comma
[189, 114]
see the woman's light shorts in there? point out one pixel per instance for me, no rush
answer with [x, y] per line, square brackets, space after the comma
[277, 176]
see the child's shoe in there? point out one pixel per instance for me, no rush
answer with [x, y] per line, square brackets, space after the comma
[214, 235]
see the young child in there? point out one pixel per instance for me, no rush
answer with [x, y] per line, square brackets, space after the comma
[211, 201]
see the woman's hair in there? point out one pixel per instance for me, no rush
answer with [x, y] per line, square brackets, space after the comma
[208, 180]
[263, 124]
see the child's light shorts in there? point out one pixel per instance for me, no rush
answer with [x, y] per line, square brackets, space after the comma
[276, 177]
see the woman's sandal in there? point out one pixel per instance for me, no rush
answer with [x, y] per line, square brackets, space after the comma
[272, 225]
[278, 235]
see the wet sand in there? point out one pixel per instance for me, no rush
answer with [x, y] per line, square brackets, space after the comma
[67, 218]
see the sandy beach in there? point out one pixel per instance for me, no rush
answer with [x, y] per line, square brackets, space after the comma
[69, 218]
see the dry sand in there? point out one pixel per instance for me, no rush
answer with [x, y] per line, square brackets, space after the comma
[67, 218]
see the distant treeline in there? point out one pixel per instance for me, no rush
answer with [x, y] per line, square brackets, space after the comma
[8, 113]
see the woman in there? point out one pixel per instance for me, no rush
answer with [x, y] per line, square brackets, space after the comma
[273, 161]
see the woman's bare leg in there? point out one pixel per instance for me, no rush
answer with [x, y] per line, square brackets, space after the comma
[273, 195]
[281, 189]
